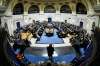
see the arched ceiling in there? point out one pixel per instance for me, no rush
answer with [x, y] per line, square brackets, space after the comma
[6, 2]
[94, 3]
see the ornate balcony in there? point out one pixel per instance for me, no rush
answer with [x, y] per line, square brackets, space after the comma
[2, 9]
[97, 9]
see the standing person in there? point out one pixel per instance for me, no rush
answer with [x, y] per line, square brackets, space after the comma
[50, 51]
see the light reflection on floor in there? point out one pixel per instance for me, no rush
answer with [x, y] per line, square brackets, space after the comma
[62, 51]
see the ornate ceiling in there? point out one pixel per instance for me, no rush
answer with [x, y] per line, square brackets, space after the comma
[95, 3]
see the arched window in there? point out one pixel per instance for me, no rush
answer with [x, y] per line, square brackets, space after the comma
[81, 9]
[18, 9]
[33, 9]
[49, 9]
[65, 9]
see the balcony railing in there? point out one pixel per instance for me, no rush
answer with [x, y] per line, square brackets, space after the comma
[3, 6]
[97, 9]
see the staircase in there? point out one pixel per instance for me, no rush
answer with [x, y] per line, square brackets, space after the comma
[49, 64]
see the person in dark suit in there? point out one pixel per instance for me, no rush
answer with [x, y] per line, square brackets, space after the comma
[50, 51]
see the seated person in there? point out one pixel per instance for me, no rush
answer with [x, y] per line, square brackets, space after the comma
[61, 34]
[29, 35]
[49, 31]
[34, 34]
[24, 35]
